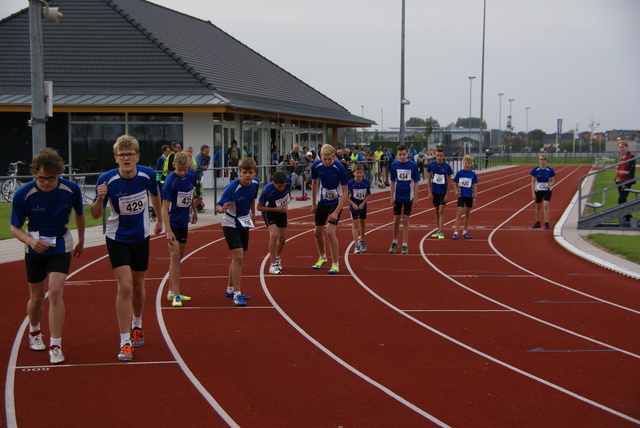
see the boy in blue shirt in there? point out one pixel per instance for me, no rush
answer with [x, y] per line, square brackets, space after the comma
[440, 174]
[178, 194]
[46, 204]
[237, 203]
[542, 179]
[273, 203]
[359, 192]
[466, 183]
[330, 183]
[404, 177]
[125, 189]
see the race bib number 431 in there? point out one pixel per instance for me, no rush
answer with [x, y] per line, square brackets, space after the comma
[133, 204]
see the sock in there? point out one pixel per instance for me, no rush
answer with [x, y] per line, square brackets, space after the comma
[336, 263]
[236, 293]
[277, 259]
[136, 322]
[464, 231]
[34, 329]
[229, 290]
[395, 241]
[55, 341]
[323, 256]
[125, 339]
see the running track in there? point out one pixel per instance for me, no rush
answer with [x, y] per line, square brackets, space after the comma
[506, 329]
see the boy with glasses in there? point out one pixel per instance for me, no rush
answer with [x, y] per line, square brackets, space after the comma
[127, 189]
[47, 202]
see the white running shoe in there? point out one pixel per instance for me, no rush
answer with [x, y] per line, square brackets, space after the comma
[274, 270]
[36, 343]
[55, 355]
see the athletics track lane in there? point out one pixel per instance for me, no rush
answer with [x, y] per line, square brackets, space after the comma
[278, 364]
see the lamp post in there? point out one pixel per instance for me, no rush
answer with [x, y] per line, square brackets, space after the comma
[509, 122]
[381, 120]
[470, 93]
[500, 94]
[362, 128]
[402, 99]
[526, 130]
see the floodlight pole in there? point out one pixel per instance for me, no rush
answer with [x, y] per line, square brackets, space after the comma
[38, 119]
[402, 100]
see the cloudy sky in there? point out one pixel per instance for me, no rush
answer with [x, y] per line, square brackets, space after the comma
[575, 60]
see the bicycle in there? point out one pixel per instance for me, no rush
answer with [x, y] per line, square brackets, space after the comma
[10, 186]
[81, 180]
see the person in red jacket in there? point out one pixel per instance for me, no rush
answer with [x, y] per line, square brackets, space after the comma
[626, 172]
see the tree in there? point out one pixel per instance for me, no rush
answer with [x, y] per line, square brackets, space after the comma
[474, 122]
[415, 122]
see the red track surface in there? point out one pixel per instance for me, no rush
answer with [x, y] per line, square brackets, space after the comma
[505, 329]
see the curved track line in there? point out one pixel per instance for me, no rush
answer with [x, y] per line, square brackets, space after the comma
[176, 354]
[333, 356]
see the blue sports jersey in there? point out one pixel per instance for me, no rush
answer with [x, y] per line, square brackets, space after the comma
[272, 197]
[331, 179]
[441, 173]
[358, 191]
[242, 199]
[405, 176]
[466, 180]
[542, 177]
[179, 190]
[48, 213]
[129, 203]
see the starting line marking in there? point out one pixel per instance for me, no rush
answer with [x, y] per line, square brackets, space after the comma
[571, 350]
[457, 310]
[216, 307]
[121, 363]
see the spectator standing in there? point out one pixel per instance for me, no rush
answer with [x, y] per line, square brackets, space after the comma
[233, 157]
[625, 174]
[203, 160]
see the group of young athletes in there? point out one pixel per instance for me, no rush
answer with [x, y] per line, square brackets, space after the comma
[47, 201]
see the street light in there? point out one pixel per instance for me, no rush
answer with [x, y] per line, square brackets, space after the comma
[402, 99]
[526, 130]
[362, 128]
[470, 92]
[500, 94]
[381, 120]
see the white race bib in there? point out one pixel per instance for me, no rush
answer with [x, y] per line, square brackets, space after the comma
[359, 194]
[184, 199]
[464, 182]
[245, 221]
[283, 201]
[133, 204]
[439, 178]
[329, 194]
[404, 174]
[541, 186]
[51, 240]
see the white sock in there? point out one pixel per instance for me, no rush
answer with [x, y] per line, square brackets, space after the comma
[229, 290]
[136, 322]
[125, 339]
[57, 341]
[323, 256]
[34, 328]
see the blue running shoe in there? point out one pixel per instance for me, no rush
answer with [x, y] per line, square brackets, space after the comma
[231, 295]
[455, 236]
[238, 300]
[357, 250]
[466, 236]
[363, 247]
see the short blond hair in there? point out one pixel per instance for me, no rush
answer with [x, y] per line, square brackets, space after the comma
[327, 149]
[624, 143]
[125, 142]
[182, 159]
[467, 158]
[542, 155]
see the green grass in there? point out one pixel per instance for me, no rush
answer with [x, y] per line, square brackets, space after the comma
[627, 246]
[5, 215]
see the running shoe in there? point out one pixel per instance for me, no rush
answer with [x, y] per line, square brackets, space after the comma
[440, 235]
[36, 343]
[177, 301]
[334, 269]
[405, 249]
[184, 298]
[356, 250]
[232, 295]
[274, 270]
[137, 337]
[126, 353]
[363, 247]
[546, 226]
[238, 300]
[394, 247]
[537, 225]
[319, 263]
[435, 235]
[455, 235]
[55, 355]
[278, 263]
[467, 236]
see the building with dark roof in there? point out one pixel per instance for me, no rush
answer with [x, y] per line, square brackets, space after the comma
[131, 66]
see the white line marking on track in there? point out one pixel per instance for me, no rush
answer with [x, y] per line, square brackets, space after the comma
[120, 363]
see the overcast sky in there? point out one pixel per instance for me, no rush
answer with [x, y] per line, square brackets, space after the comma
[564, 59]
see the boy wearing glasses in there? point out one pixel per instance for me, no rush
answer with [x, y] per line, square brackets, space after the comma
[47, 202]
[127, 189]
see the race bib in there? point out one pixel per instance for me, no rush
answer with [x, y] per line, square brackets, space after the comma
[184, 199]
[360, 194]
[541, 186]
[464, 182]
[133, 204]
[283, 201]
[329, 194]
[51, 240]
[439, 178]
[404, 174]
[245, 221]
